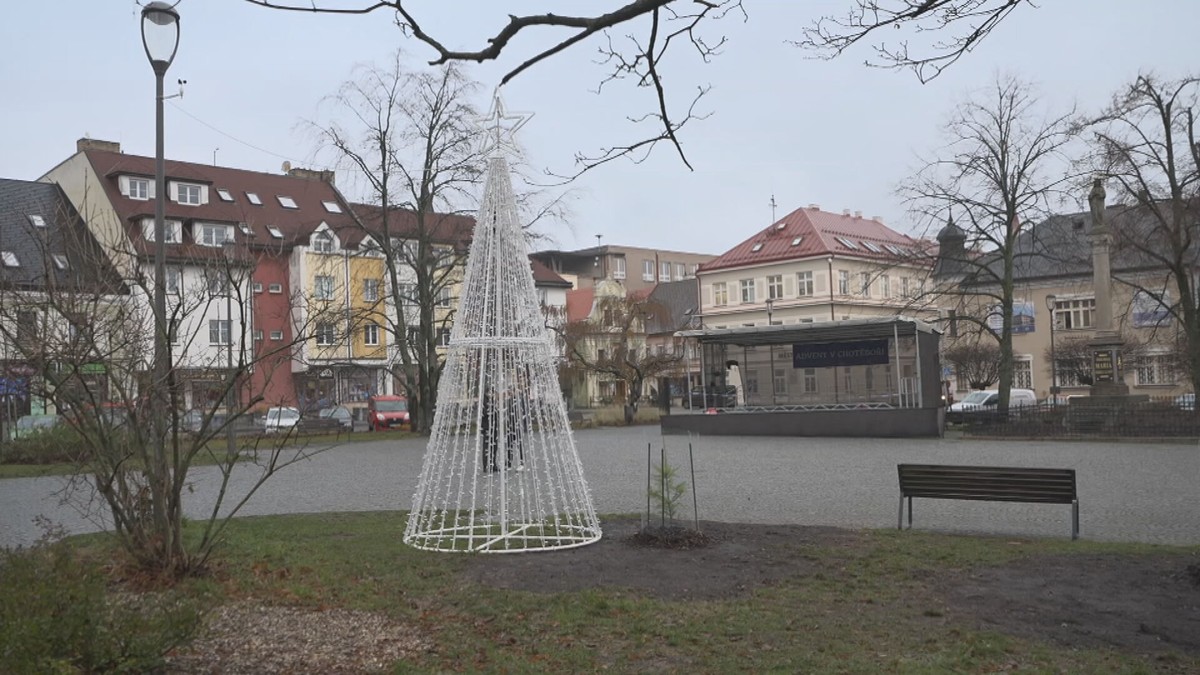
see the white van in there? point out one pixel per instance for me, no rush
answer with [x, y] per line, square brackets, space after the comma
[281, 419]
[988, 400]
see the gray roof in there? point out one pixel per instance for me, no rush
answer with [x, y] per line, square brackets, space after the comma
[38, 250]
[1061, 246]
[678, 302]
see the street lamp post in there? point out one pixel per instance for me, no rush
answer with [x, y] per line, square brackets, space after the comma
[770, 308]
[1053, 360]
[160, 38]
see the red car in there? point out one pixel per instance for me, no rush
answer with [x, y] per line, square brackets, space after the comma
[387, 412]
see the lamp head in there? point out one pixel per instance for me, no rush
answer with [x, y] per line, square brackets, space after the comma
[1050, 301]
[160, 35]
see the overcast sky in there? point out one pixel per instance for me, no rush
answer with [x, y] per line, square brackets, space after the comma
[833, 133]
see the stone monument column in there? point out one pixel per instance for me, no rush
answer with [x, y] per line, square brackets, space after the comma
[1108, 380]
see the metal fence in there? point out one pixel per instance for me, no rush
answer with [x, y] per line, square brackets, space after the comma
[1155, 418]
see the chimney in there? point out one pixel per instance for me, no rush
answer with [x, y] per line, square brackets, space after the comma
[858, 214]
[878, 218]
[814, 207]
[845, 212]
[324, 175]
[96, 144]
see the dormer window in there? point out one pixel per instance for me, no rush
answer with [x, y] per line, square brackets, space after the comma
[253, 199]
[892, 248]
[847, 243]
[332, 207]
[286, 202]
[60, 261]
[872, 247]
[224, 194]
[36, 220]
[323, 242]
[213, 235]
[172, 228]
[10, 259]
[275, 233]
[139, 188]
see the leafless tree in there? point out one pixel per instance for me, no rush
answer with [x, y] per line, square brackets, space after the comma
[1002, 167]
[976, 361]
[946, 29]
[84, 335]
[654, 27]
[612, 344]
[1145, 147]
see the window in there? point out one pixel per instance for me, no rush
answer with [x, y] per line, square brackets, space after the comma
[276, 336]
[174, 279]
[371, 335]
[692, 269]
[443, 297]
[647, 270]
[332, 207]
[187, 193]
[27, 327]
[139, 188]
[323, 242]
[218, 332]
[618, 267]
[796, 241]
[847, 243]
[810, 380]
[775, 287]
[258, 287]
[847, 379]
[1074, 314]
[36, 220]
[225, 196]
[872, 247]
[287, 202]
[756, 247]
[904, 287]
[443, 337]
[245, 228]
[886, 282]
[253, 199]
[864, 284]
[218, 283]
[10, 259]
[664, 271]
[407, 293]
[371, 290]
[1022, 371]
[780, 381]
[747, 290]
[275, 288]
[60, 261]
[679, 271]
[275, 233]
[258, 336]
[804, 283]
[1154, 369]
[894, 250]
[720, 294]
[213, 235]
[323, 287]
[325, 334]
[843, 282]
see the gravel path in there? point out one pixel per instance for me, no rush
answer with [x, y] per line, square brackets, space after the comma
[1128, 492]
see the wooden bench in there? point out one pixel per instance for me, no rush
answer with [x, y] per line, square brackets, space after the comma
[988, 483]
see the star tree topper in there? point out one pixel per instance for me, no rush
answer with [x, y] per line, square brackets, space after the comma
[501, 125]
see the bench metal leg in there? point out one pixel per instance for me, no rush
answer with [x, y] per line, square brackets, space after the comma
[1074, 520]
[900, 516]
[910, 513]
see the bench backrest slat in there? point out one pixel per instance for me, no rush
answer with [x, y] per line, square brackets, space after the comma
[991, 483]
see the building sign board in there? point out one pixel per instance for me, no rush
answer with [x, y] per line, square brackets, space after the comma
[848, 353]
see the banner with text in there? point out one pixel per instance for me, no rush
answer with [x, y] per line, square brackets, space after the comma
[826, 354]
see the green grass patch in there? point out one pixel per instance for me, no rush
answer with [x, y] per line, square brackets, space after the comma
[868, 606]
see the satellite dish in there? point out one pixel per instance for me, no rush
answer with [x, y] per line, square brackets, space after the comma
[287, 166]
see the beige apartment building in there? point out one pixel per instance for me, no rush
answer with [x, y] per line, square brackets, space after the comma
[634, 268]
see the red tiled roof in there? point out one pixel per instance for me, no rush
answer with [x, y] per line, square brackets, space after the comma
[818, 233]
[445, 228]
[295, 224]
[579, 303]
[546, 276]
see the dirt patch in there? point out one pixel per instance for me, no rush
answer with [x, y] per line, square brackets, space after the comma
[1136, 603]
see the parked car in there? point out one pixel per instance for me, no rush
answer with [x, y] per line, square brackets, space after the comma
[281, 419]
[387, 412]
[981, 402]
[1186, 401]
[339, 413]
[30, 425]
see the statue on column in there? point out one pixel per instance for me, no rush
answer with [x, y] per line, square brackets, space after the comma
[1096, 202]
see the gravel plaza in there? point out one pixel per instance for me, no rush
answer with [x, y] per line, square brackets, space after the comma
[1138, 492]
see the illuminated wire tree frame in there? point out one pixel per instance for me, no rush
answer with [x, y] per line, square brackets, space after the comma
[501, 472]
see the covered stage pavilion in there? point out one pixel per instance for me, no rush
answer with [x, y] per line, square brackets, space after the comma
[873, 376]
